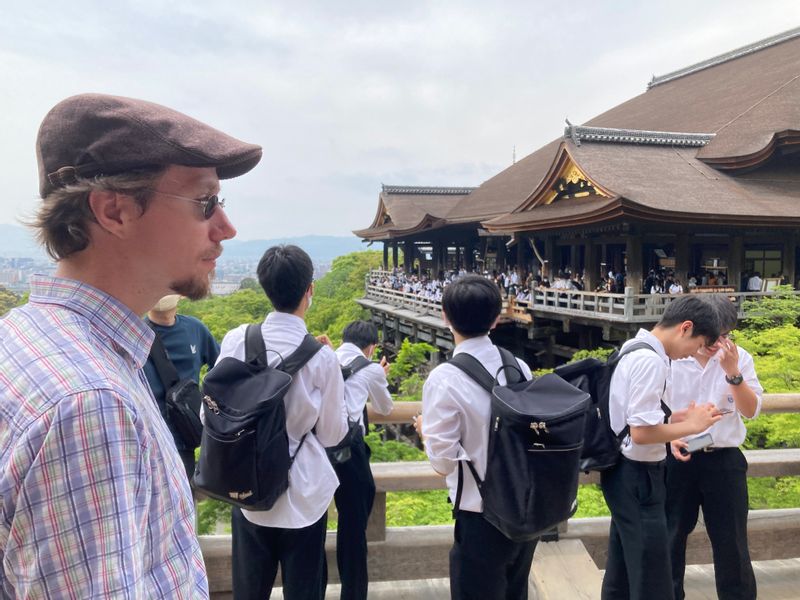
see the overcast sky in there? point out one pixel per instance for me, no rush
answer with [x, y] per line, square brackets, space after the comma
[346, 95]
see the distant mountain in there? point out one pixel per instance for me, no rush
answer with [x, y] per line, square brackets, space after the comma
[321, 248]
[16, 241]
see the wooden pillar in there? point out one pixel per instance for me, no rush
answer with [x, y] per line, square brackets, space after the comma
[591, 268]
[408, 255]
[633, 267]
[521, 241]
[458, 257]
[502, 251]
[574, 258]
[394, 255]
[789, 249]
[682, 258]
[735, 261]
[604, 266]
[437, 258]
[550, 256]
[385, 256]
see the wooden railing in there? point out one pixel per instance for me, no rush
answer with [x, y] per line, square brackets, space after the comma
[403, 553]
[627, 308]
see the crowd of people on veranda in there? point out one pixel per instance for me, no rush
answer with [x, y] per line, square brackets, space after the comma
[95, 496]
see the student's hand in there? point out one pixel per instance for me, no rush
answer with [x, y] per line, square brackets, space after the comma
[418, 426]
[729, 357]
[385, 364]
[702, 416]
[675, 446]
[679, 416]
[325, 340]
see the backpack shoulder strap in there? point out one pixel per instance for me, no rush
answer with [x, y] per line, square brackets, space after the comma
[255, 351]
[355, 365]
[510, 366]
[166, 370]
[304, 352]
[645, 346]
[474, 369]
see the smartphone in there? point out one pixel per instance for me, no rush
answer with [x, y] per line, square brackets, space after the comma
[698, 443]
[724, 411]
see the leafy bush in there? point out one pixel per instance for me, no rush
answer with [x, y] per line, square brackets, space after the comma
[779, 309]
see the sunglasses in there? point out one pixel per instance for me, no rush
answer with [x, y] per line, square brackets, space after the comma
[209, 204]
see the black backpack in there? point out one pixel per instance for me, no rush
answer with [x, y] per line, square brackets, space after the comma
[244, 453]
[535, 439]
[342, 452]
[601, 446]
[182, 397]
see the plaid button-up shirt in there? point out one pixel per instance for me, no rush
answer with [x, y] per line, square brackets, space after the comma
[94, 501]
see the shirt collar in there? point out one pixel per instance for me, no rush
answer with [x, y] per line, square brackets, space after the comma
[472, 345]
[647, 336]
[289, 320]
[127, 332]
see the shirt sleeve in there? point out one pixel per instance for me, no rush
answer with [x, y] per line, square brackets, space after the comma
[210, 347]
[378, 389]
[79, 525]
[748, 370]
[332, 422]
[441, 424]
[648, 375]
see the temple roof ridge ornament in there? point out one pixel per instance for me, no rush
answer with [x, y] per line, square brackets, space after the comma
[716, 60]
[426, 190]
[578, 134]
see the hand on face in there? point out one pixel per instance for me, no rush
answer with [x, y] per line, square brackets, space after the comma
[729, 357]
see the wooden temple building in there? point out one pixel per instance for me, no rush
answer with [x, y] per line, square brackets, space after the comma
[700, 173]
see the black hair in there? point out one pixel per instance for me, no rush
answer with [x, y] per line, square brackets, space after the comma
[727, 313]
[702, 314]
[360, 333]
[471, 305]
[285, 272]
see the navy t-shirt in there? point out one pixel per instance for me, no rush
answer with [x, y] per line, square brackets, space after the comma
[189, 345]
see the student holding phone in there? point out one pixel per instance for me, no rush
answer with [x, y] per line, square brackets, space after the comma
[714, 476]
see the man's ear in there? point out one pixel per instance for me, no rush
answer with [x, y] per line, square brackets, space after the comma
[112, 210]
[496, 321]
[686, 328]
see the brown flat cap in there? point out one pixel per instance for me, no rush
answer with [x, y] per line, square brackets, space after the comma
[96, 134]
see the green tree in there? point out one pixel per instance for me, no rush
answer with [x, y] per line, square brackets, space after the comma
[8, 300]
[780, 308]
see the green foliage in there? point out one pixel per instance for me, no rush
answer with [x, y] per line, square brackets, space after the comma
[591, 502]
[774, 492]
[776, 352]
[8, 300]
[391, 450]
[223, 313]
[780, 308]
[211, 512]
[250, 283]
[418, 508]
[599, 353]
[409, 359]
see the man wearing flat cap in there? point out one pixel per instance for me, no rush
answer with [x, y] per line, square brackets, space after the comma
[94, 502]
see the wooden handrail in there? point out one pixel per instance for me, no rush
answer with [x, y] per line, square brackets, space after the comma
[403, 412]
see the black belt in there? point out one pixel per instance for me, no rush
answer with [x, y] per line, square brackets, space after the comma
[649, 463]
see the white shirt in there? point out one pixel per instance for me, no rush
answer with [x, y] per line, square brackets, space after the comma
[635, 394]
[368, 383]
[676, 288]
[690, 381]
[455, 418]
[754, 284]
[315, 399]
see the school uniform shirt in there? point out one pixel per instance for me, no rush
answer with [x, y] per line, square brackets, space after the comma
[314, 400]
[368, 383]
[635, 394]
[455, 418]
[692, 382]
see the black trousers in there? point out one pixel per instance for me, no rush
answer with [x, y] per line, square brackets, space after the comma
[717, 481]
[638, 565]
[485, 564]
[354, 498]
[257, 552]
